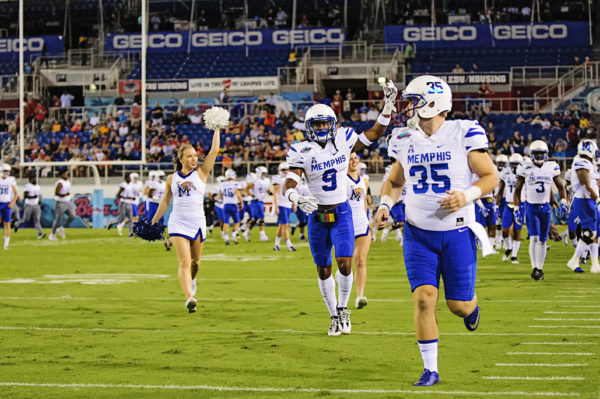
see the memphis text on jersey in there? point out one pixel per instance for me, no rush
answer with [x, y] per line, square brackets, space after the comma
[314, 165]
[427, 157]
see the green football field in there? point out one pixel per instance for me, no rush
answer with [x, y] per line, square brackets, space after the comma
[97, 315]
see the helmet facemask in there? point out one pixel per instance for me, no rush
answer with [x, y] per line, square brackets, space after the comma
[409, 105]
[539, 157]
[322, 134]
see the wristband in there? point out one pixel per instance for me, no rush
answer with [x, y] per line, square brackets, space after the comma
[382, 120]
[387, 201]
[293, 176]
[563, 201]
[472, 193]
[292, 195]
[364, 139]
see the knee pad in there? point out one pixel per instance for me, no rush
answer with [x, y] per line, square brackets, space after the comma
[261, 222]
[588, 236]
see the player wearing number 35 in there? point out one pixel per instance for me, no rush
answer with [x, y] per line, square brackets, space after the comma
[435, 159]
[324, 159]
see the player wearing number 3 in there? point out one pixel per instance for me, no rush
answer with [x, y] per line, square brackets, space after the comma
[435, 159]
[324, 160]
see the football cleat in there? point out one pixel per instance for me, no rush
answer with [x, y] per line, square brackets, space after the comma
[472, 320]
[52, 237]
[334, 327]
[246, 235]
[573, 264]
[190, 304]
[302, 237]
[264, 238]
[276, 248]
[344, 318]
[61, 232]
[537, 274]
[40, 236]
[506, 255]
[514, 260]
[428, 379]
[226, 242]
[360, 302]
[16, 226]
[291, 248]
[594, 269]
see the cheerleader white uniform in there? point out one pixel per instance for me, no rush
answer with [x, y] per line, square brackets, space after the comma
[187, 217]
[356, 191]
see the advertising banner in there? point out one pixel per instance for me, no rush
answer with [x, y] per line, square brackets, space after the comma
[484, 35]
[202, 41]
[463, 79]
[33, 45]
[167, 85]
[242, 83]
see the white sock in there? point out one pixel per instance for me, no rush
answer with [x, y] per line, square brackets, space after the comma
[6, 240]
[262, 233]
[122, 223]
[344, 288]
[580, 249]
[532, 245]
[288, 242]
[277, 241]
[492, 240]
[507, 243]
[594, 253]
[327, 288]
[234, 233]
[574, 242]
[515, 248]
[541, 254]
[429, 353]
[398, 234]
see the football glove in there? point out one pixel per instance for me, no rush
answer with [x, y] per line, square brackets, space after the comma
[390, 91]
[307, 205]
[518, 216]
[562, 210]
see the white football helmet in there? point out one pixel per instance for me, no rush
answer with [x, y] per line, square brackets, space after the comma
[161, 175]
[526, 159]
[283, 166]
[220, 179]
[230, 174]
[261, 171]
[515, 160]
[152, 175]
[134, 176]
[426, 97]
[362, 168]
[320, 113]
[502, 161]
[6, 169]
[539, 152]
[586, 147]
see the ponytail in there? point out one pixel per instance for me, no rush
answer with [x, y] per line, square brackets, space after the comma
[179, 154]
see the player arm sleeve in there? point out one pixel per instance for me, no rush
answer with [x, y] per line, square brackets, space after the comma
[475, 138]
[521, 170]
[352, 137]
[294, 158]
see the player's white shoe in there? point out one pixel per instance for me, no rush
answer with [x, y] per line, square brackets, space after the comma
[506, 255]
[344, 317]
[276, 248]
[194, 287]
[361, 302]
[514, 260]
[190, 304]
[264, 238]
[246, 235]
[573, 264]
[120, 229]
[595, 268]
[334, 327]
[52, 237]
[565, 237]
[61, 232]
[384, 235]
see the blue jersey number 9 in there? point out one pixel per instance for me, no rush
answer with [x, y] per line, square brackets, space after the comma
[329, 176]
[443, 181]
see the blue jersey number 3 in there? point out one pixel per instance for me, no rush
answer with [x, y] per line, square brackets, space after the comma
[442, 181]
[329, 176]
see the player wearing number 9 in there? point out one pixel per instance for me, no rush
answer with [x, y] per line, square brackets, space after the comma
[324, 159]
[435, 159]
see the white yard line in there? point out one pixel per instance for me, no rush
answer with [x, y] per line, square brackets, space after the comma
[571, 296]
[547, 319]
[564, 327]
[580, 306]
[497, 377]
[287, 331]
[290, 389]
[552, 353]
[541, 364]
[557, 343]
[552, 312]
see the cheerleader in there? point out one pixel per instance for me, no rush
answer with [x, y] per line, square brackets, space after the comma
[356, 189]
[187, 222]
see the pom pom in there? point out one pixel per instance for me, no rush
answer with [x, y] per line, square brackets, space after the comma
[148, 231]
[216, 118]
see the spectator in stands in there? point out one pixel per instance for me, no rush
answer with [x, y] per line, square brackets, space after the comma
[492, 142]
[157, 115]
[94, 120]
[409, 56]
[272, 101]
[123, 129]
[304, 24]
[584, 123]
[202, 22]
[40, 115]
[537, 119]
[506, 149]
[195, 118]
[355, 117]
[560, 153]
[65, 102]
[224, 97]
[458, 69]
[572, 136]
[155, 21]
[372, 114]
[336, 103]
[546, 124]
[521, 119]
[516, 140]
[135, 113]
[281, 18]
[525, 13]
[270, 18]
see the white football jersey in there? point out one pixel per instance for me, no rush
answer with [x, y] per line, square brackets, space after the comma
[260, 188]
[136, 191]
[325, 167]
[127, 192]
[64, 189]
[33, 190]
[6, 191]
[580, 191]
[538, 180]
[188, 194]
[510, 182]
[228, 189]
[218, 199]
[282, 200]
[356, 192]
[159, 191]
[433, 165]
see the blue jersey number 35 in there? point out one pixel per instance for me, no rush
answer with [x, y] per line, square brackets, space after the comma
[442, 181]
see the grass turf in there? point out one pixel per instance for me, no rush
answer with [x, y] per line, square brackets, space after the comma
[77, 311]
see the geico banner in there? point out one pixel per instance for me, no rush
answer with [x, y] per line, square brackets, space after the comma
[245, 83]
[482, 35]
[225, 40]
[167, 85]
[33, 45]
[460, 79]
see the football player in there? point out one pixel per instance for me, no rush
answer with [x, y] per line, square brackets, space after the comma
[506, 192]
[33, 211]
[324, 160]
[501, 163]
[585, 204]
[62, 206]
[231, 195]
[126, 199]
[257, 188]
[538, 176]
[282, 207]
[8, 197]
[435, 159]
